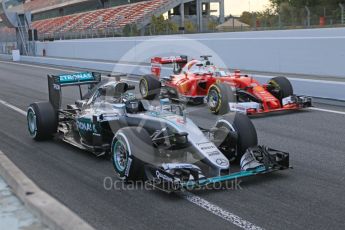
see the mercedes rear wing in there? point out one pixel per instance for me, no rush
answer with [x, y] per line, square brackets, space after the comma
[55, 83]
[178, 61]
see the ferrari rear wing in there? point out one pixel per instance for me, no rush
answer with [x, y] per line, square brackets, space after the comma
[169, 60]
[55, 82]
[157, 62]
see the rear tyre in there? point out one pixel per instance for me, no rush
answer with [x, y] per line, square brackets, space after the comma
[218, 98]
[246, 134]
[282, 87]
[42, 121]
[129, 148]
[149, 87]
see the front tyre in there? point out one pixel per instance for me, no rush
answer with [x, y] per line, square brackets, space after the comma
[149, 87]
[280, 87]
[246, 135]
[42, 121]
[218, 98]
[129, 148]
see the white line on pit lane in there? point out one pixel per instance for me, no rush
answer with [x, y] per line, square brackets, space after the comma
[53, 68]
[37, 66]
[8, 105]
[327, 110]
[214, 209]
[85, 61]
[218, 211]
[302, 79]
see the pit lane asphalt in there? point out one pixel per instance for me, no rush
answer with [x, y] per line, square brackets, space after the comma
[309, 196]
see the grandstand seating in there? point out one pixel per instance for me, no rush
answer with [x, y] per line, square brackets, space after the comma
[6, 30]
[7, 34]
[115, 17]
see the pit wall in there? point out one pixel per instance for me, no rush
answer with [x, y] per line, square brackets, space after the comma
[329, 89]
[310, 52]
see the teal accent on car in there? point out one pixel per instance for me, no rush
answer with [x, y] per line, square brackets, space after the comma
[32, 125]
[77, 77]
[86, 128]
[116, 163]
[85, 124]
[233, 176]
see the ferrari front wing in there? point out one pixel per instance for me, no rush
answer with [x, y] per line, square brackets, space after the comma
[289, 103]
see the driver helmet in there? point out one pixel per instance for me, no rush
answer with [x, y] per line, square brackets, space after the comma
[132, 106]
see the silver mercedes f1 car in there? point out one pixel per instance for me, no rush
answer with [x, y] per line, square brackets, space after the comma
[159, 144]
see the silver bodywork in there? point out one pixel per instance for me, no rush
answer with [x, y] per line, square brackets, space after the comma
[200, 144]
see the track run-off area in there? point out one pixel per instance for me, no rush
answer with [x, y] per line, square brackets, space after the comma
[311, 195]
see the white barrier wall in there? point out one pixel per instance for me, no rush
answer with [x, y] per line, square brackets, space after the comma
[313, 51]
[315, 88]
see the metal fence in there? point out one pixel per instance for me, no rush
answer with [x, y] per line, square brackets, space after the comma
[286, 17]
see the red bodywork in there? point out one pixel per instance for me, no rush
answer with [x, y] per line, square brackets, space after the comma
[269, 102]
[192, 85]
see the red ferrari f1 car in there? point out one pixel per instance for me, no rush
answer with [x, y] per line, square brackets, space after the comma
[199, 81]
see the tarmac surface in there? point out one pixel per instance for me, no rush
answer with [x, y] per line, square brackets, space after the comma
[309, 196]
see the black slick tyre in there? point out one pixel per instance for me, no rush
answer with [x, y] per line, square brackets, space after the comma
[42, 121]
